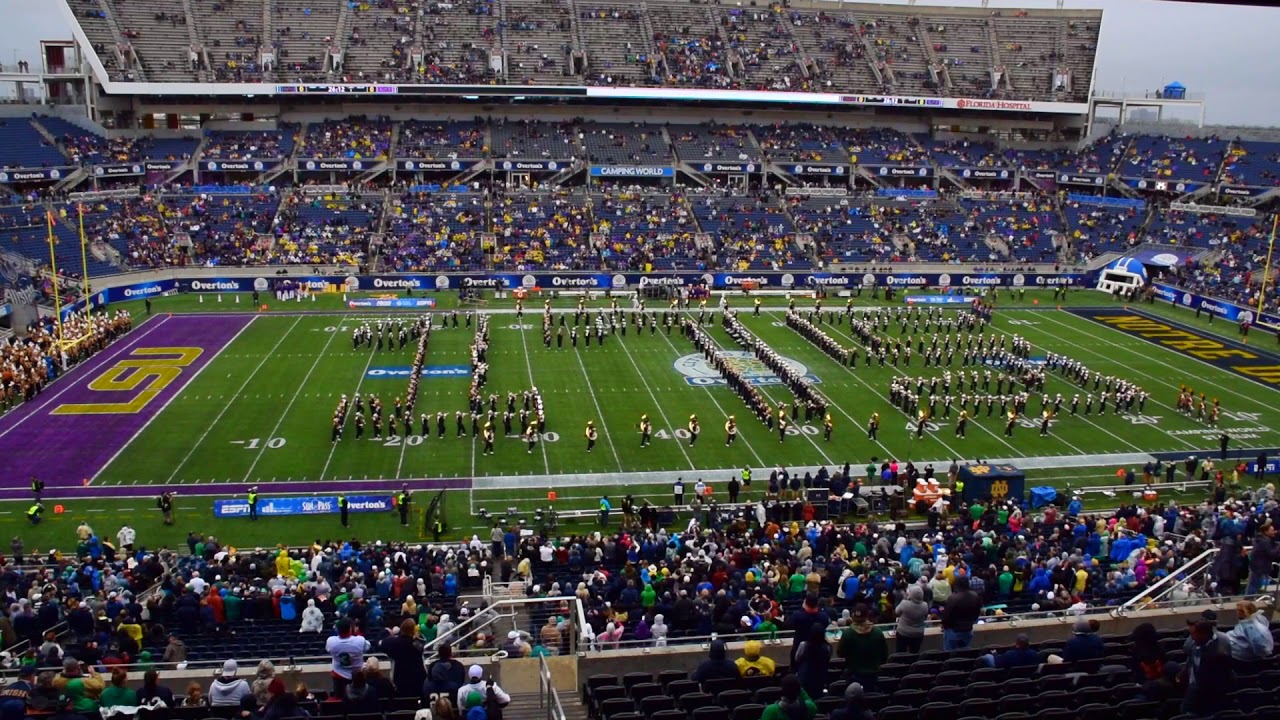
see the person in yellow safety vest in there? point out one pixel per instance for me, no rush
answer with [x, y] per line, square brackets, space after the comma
[746, 478]
[34, 513]
[605, 507]
[253, 503]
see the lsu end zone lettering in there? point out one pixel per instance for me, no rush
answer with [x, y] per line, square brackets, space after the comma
[1228, 356]
[145, 372]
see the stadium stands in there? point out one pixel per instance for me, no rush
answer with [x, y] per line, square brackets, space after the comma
[89, 148]
[250, 144]
[1252, 163]
[1043, 55]
[357, 137]
[22, 146]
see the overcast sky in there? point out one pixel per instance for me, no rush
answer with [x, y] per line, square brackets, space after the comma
[1223, 51]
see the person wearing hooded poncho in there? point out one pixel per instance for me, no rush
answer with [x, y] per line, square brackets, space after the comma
[753, 663]
[312, 618]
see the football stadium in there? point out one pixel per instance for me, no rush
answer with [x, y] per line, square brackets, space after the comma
[422, 360]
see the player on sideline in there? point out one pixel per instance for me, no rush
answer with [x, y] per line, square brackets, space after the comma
[591, 435]
[646, 429]
[694, 428]
[488, 438]
[730, 431]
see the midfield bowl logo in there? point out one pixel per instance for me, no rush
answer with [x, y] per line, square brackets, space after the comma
[442, 282]
[697, 371]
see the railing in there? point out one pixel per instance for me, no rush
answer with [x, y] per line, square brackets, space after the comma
[548, 696]
[509, 609]
[214, 667]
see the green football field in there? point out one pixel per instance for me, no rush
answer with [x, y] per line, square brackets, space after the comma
[259, 414]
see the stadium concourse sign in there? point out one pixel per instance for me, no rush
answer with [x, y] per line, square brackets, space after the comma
[318, 505]
[620, 281]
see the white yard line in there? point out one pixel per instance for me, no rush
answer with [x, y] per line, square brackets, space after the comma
[270, 354]
[359, 384]
[1064, 341]
[157, 413]
[1047, 315]
[656, 404]
[856, 424]
[319, 356]
[773, 406]
[880, 394]
[608, 436]
[65, 378]
[546, 464]
[759, 461]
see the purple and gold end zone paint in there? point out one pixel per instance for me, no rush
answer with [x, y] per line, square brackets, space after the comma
[79, 423]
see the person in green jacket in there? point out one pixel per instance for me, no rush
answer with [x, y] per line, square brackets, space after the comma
[118, 692]
[794, 705]
[797, 582]
[863, 648]
[81, 688]
[1004, 583]
[648, 597]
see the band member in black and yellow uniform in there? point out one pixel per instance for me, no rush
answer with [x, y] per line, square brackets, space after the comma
[827, 427]
[730, 431]
[646, 429]
[694, 428]
[873, 426]
[1044, 422]
[591, 435]
[962, 423]
[756, 313]
[1008, 426]
[531, 436]
[488, 438]
[921, 420]
[783, 422]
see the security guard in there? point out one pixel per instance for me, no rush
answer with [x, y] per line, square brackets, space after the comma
[37, 487]
[343, 508]
[591, 435]
[34, 512]
[746, 478]
[403, 499]
[253, 503]
[437, 528]
[694, 429]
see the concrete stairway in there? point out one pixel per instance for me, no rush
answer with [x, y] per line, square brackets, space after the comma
[525, 707]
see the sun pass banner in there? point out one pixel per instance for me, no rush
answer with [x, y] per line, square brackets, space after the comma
[319, 505]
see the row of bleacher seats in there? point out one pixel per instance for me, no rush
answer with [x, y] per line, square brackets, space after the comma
[619, 228]
[872, 49]
[939, 685]
[28, 144]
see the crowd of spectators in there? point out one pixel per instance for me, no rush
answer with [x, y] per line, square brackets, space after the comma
[251, 144]
[358, 138]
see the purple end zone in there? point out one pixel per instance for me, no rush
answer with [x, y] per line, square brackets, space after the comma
[64, 449]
